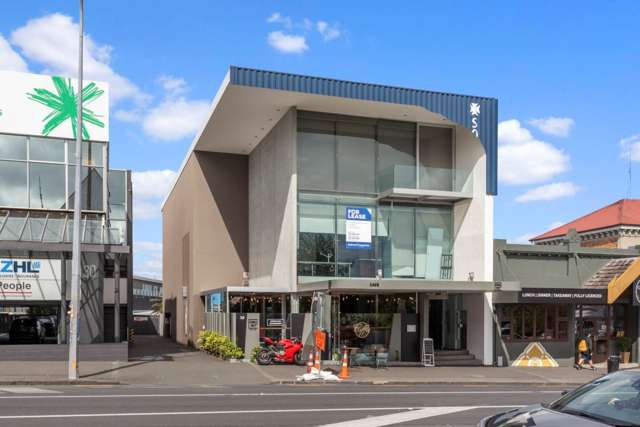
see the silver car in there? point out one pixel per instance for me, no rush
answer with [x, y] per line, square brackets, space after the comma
[613, 400]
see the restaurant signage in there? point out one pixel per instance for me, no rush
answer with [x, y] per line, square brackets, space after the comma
[636, 292]
[563, 296]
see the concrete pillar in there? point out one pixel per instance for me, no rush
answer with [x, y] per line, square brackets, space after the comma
[116, 298]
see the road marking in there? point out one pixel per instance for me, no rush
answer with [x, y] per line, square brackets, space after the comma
[26, 390]
[288, 394]
[401, 417]
[262, 411]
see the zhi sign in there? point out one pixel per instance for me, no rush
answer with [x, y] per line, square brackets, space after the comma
[30, 279]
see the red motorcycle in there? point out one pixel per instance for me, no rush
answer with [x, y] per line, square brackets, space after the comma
[284, 351]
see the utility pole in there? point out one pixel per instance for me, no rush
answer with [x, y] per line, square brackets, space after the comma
[74, 319]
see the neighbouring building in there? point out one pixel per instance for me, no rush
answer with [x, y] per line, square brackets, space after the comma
[147, 306]
[614, 226]
[380, 196]
[37, 166]
[578, 279]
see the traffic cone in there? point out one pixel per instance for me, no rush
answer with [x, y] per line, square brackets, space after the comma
[310, 362]
[344, 370]
[317, 360]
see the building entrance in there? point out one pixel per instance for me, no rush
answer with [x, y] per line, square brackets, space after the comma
[448, 323]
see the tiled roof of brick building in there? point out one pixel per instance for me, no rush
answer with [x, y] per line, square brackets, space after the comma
[622, 212]
[608, 272]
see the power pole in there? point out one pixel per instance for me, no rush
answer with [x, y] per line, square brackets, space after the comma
[74, 319]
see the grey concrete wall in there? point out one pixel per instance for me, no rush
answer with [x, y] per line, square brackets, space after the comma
[205, 235]
[111, 352]
[272, 207]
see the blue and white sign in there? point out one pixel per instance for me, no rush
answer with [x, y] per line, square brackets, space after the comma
[358, 228]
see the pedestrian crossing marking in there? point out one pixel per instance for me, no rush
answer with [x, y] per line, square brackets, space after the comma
[26, 390]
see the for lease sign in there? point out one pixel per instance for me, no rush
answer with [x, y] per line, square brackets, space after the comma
[39, 105]
[358, 228]
[30, 279]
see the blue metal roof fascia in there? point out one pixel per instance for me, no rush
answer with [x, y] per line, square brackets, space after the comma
[452, 106]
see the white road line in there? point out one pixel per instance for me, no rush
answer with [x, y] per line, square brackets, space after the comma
[262, 411]
[401, 417]
[289, 394]
[26, 390]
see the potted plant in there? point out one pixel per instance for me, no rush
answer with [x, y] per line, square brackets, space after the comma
[624, 346]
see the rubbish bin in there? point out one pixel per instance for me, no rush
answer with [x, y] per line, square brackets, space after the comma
[613, 363]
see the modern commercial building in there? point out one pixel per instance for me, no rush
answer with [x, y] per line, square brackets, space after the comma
[380, 196]
[147, 306]
[37, 146]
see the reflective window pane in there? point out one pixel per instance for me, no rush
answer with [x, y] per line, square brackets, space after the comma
[13, 147]
[91, 153]
[316, 154]
[47, 186]
[396, 155]
[14, 225]
[46, 149]
[316, 240]
[356, 157]
[13, 180]
[91, 188]
[436, 158]
[117, 183]
[433, 241]
[55, 225]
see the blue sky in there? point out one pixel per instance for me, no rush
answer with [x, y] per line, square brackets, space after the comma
[567, 76]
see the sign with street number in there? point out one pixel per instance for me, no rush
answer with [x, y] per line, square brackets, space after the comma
[357, 228]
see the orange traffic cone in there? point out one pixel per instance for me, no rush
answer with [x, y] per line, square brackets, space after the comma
[317, 360]
[344, 370]
[310, 362]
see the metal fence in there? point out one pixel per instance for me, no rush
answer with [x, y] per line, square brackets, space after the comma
[217, 322]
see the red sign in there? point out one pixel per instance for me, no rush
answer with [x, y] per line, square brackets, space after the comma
[321, 339]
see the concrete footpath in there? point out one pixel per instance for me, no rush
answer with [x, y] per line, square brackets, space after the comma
[157, 361]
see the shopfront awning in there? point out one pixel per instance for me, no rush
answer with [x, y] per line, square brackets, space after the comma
[616, 276]
[372, 285]
[619, 284]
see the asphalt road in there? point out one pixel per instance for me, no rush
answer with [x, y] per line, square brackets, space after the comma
[276, 405]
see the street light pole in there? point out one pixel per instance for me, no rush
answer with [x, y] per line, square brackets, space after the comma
[74, 318]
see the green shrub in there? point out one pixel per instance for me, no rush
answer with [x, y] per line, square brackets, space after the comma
[219, 345]
[624, 343]
[254, 353]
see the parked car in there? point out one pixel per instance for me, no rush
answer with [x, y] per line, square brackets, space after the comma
[27, 330]
[613, 400]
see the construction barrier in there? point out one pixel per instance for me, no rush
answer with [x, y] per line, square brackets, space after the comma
[310, 362]
[344, 370]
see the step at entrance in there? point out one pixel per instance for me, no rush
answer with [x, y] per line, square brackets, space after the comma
[456, 358]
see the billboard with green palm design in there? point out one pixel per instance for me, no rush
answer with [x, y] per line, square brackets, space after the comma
[34, 104]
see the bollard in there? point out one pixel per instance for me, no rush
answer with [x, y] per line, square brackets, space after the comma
[310, 362]
[344, 370]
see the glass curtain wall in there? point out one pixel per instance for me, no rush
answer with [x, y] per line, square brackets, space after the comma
[38, 173]
[407, 241]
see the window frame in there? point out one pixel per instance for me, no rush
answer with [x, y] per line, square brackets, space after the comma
[502, 317]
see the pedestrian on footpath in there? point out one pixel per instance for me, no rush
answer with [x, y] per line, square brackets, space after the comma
[585, 353]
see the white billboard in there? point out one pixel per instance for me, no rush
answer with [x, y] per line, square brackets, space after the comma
[39, 105]
[30, 279]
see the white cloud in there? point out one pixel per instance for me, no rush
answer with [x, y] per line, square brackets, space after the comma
[52, 41]
[173, 86]
[175, 119]
[10, 60]
[524, 160]
[631, 148]
[277, 18]
[149, 188]
[556, 190]
[287, 43]
[523, 239]
[555, 224]
[327, 31]
[556, 126]
[152, 183]
[147, 259]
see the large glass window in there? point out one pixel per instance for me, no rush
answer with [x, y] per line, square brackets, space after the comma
[316, 240]
[13, 147]
[46, 182]
[436, 158]
[46, 149]
[396, 155]
[91, 188]
[13, 184]
[92, 153]
[533, 322]
[316, 154]
[402, 242]
[356, 157]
